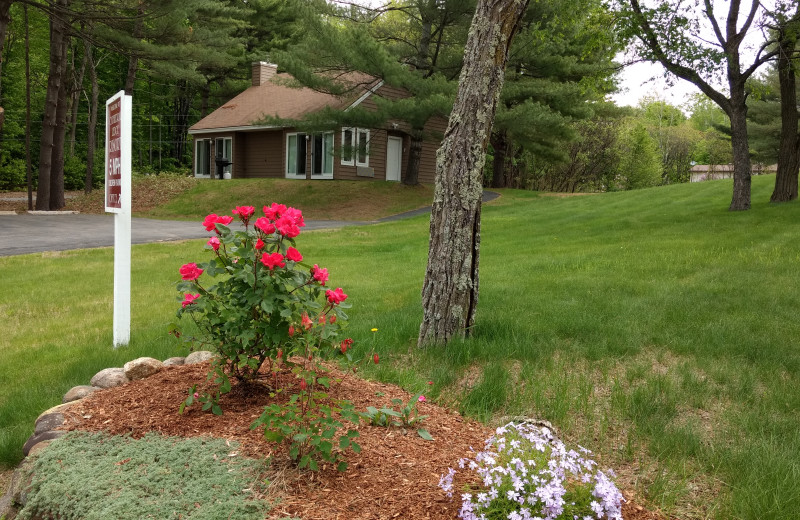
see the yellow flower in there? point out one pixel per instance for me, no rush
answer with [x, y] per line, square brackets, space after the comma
[374, 330]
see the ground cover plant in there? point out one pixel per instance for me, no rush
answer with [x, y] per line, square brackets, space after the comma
[107, 471]
[654, 327]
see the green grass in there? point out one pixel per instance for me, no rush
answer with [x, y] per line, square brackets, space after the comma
[654, 327]
[320, 200]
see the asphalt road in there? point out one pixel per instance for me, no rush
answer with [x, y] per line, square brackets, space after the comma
[25, 233]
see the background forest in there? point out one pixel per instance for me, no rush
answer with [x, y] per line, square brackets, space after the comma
[555, 130]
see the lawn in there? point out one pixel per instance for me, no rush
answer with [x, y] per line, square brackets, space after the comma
[654, 327]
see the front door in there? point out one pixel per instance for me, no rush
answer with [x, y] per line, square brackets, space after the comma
[394, 158]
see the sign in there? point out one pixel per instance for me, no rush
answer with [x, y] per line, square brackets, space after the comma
[119, 110]
[114, 154]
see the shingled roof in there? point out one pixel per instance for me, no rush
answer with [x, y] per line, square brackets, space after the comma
[272, 95]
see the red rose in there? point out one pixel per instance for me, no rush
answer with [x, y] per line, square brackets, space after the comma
[273, 260]
[244, 212]
[274, 211]
[190, 271]
[287, 227]
[264, 225]
[333, 318]
[260, 244]
[210, 222]
[189, 299]
[296, 215]
[214, 243]
[224, 220]
[319, 274]
[336, 297]
[294, 255]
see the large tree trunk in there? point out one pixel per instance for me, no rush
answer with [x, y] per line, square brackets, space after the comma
[789, 148]
[500, 144]
[742, 171]
[57, 200]
[450, 290]
[411, 178]
[58, 34]
[91, 142]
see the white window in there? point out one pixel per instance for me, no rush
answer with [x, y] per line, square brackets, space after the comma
[348, 142]
[296, 156]
[322, 156]
[223, 147]
[362, 147]
[202, 157]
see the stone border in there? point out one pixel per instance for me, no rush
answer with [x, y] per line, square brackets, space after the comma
[46, 427]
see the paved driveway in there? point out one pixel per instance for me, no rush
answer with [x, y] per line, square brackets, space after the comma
[24, 233]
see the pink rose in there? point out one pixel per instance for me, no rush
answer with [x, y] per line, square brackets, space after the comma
[265, 225]
[210, 222]
[273, 260]
[336, 297]
[224, 220]
[287, 227]
[189, 299]
[421, 399]
[190, 271]
[260, 244]
[214, 243]
[274, 211]
[294, 255]
[319, 274]
[296, 215]
[244, 212]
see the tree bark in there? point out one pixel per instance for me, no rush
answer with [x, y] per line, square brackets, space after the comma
[57, 200]
[58, 33]
[411, 178]
[75, 103]
[500, 144]
[789, 148]
[91, 139]
[742, 169]
[450, 290]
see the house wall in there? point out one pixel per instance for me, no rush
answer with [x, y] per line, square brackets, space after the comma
[263, 154]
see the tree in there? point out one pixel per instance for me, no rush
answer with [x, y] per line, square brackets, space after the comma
[789, 150]
[559, 66]
[450, 290]
[640, 166]
[668, 34]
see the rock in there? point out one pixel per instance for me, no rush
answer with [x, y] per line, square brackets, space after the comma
[33, 440]
[174, 361]
[141, 368]
[198, 357]
[47, 422]
[20, 483]
[109, 378]
[78, 392]
[61, 408]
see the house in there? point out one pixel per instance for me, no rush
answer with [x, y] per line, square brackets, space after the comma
[235, 132]
[709, 172]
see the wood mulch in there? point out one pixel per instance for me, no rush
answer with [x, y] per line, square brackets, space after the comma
[396, 475]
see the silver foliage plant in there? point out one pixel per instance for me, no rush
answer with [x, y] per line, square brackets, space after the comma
[528, 474]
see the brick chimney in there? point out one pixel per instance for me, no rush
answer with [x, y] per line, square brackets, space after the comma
[263, 72]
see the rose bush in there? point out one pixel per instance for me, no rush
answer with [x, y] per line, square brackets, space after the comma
[256, 298]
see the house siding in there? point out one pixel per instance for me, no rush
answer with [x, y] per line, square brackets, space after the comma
[264, 155]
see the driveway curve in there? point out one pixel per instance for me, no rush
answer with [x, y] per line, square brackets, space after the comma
[26, 233]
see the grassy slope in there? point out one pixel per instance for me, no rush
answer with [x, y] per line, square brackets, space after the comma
[340, 200]
[653, 326]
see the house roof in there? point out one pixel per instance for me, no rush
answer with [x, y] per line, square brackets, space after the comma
[278, 99]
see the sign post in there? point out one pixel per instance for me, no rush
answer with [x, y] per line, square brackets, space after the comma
[118, 201]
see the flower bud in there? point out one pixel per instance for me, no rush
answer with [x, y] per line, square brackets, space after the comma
[375, 358]
[303, 385]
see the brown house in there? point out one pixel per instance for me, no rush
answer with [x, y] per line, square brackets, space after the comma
[235, 133]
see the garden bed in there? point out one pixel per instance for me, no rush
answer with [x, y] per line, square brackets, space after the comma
[396, 474]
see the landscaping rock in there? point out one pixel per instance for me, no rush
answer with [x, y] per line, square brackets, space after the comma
[33, 440]
[174, 361]
[47, 422]
[60, 408]
[109, 378]
[198, 357]
[142, 368]
[78, 392]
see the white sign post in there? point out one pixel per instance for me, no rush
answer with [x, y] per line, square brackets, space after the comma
[119, 110]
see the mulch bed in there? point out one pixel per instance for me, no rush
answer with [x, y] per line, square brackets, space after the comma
[396, 475]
